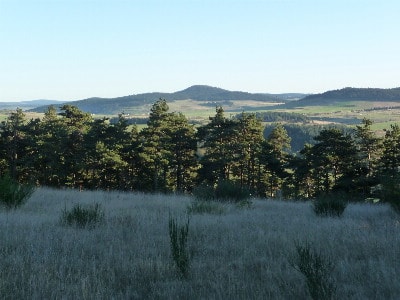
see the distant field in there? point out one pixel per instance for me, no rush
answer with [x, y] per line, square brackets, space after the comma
[239, 254]
[4, 114]
[352, 112]
[381, 113]
[192, 108]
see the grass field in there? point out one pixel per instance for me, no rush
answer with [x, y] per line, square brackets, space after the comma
[243, 253]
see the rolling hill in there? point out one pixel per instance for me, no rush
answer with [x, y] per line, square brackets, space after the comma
[348, 94]
[28, 104]
[203, 95]
[200, 93]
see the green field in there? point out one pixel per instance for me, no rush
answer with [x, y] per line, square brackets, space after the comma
[352, 112]
[240, 253]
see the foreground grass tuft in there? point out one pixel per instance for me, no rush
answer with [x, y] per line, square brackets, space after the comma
[81, 216]
[178, 235]
[317, 270]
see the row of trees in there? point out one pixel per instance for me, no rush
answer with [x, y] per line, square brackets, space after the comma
[72, 149]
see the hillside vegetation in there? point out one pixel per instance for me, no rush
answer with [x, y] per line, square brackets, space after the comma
[345, 106]
[202, 93]
[349, 94]
[239, 254]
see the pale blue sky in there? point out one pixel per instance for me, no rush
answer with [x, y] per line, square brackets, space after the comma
[74, 49]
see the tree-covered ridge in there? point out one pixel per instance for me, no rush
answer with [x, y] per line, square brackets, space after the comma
[117, 105]
[71, 149]
[350, 94]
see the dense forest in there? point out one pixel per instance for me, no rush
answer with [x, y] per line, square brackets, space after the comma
[349, 94]
[72, 149]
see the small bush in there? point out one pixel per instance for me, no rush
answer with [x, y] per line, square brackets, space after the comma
[226, 190]
[390, 192]
[80, 216]
[317, 270]
[332, 205]
[178, 239]
[205, 207]
[230, 191]
[13, 194]
[203, 192]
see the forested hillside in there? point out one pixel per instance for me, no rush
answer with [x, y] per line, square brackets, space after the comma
[170, 155]
[203, 93]
[349, 94]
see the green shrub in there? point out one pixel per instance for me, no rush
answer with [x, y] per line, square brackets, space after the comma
[390, 192]
[203, 192]
[317, 270]
[13, 194]
[332, 205]
[205, 207]
[227, 190]
[178, 235]
[80, 216]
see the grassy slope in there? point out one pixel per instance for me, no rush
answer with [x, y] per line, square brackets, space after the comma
[242, 254]
[342, 112]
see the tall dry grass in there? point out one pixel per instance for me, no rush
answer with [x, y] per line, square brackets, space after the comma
[240, 254]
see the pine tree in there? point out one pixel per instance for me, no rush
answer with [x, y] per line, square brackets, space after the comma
[334, 156]
[217, 140]
[274, 158]
[368, 150]
[77, 123]
[390, 160]
[180, 140]
[249, 138]
[167, 151]
[50, 141]
[12, 147]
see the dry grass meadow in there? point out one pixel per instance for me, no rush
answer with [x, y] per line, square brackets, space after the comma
[242, 253]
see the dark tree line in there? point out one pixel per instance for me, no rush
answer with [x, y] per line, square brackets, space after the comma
[278, 116]
[71, 149]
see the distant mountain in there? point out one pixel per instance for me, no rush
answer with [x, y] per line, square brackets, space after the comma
[349, 94]
[196, 92]
[28, 104]
[208, 93]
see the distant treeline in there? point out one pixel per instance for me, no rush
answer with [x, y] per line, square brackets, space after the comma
[301, 134]
[71, 149]
[348, 94]
[130, 120]
[274, 116]
[359, 94]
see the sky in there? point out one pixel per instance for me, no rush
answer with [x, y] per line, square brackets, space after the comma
[75, 49]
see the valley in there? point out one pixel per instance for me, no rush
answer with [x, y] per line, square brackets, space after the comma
[346, 107]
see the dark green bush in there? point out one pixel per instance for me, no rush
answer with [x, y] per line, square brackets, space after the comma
[204, 192]
[178, 235]
[317, 270]
[13, 194]
[227, 190]
[205, 207]
[390, 192]
[81, 217]
[330, 205]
